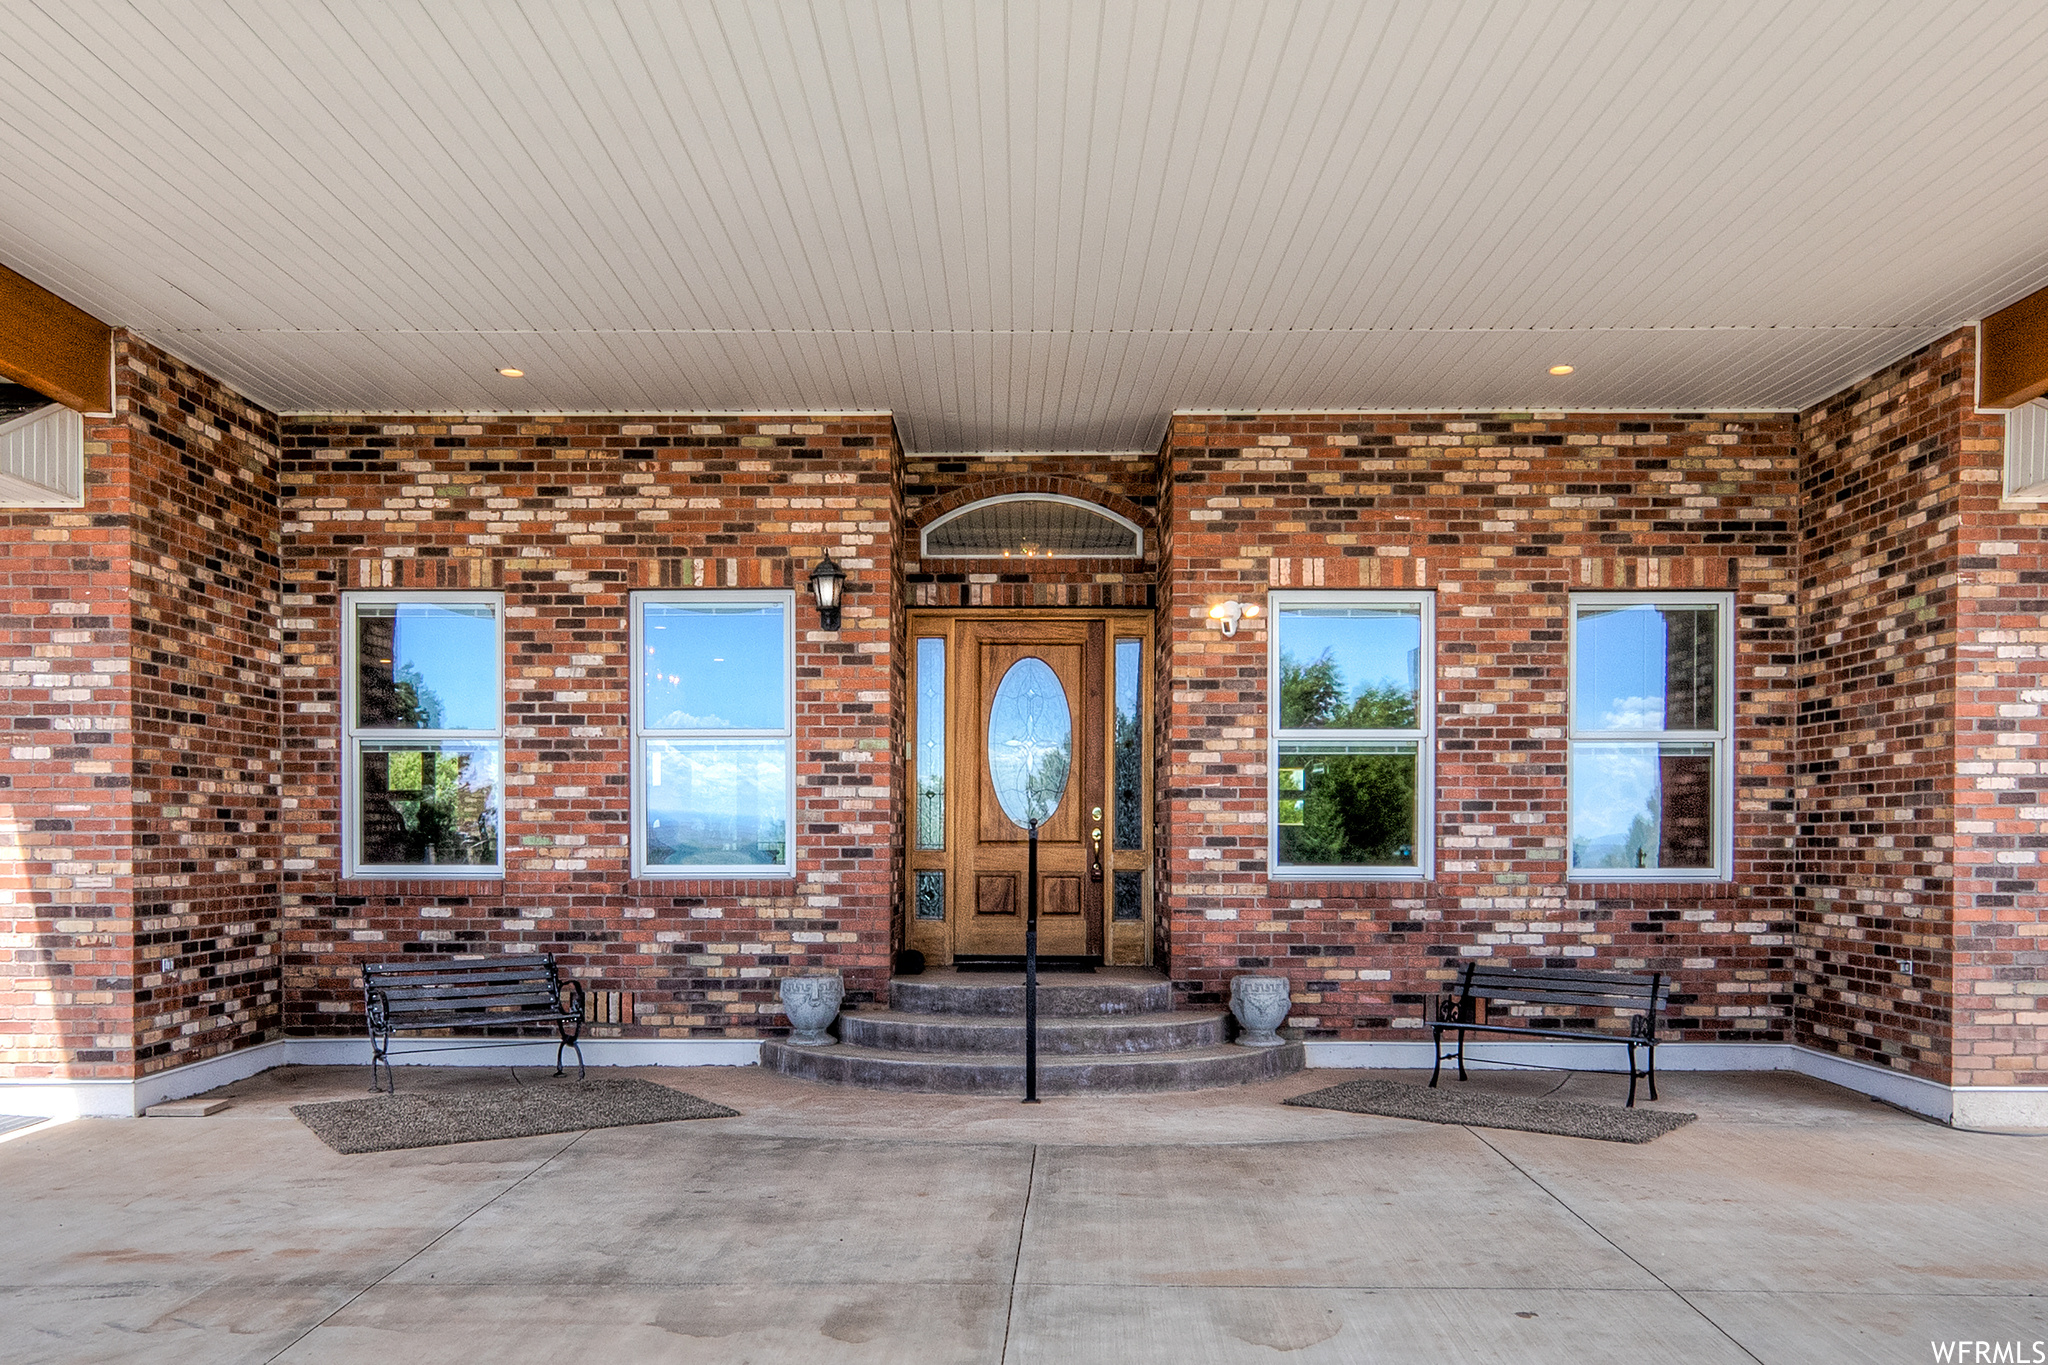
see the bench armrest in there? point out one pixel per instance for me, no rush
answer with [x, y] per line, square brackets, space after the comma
[1454, 1006]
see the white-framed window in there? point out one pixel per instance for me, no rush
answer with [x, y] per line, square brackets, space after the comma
[423, 731]
[714, 738]
[1652, 725]
[1352, 721]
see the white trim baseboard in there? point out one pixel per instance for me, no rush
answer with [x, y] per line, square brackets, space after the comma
[1500, 1055]
[91, 1099]
[1966, 1106]
[1962, 1106]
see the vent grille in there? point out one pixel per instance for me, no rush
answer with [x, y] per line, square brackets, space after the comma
[42, 457]
[2026, 451]
[1033, 528]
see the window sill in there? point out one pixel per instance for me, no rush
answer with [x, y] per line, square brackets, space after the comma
[395, 884]
[1693, 888]
[722, 883]
[1352, 884]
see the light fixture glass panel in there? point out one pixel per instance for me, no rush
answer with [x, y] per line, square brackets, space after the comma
[426, 666]
[1646, 666]
[714, 666]
[1350, 667]
[713, 803]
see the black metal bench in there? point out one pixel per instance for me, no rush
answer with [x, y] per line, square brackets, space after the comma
[411, 996]
[1642, 995]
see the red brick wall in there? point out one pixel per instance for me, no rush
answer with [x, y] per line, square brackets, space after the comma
[138, 900]
[2000, 990]
[933, 486]
[1876, 788]
[1923, 790]
[204, 655]
[66, 926]
[566, 517]
[1501, 516]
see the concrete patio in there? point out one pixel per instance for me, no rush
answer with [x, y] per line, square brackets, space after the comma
[1794, 1222]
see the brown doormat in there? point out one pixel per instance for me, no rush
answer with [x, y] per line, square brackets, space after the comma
[1478, 1109]
[388, 1123]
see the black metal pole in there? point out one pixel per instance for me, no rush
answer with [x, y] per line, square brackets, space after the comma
[1031, 970]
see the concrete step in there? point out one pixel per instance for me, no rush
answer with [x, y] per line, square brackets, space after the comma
[993, 1076]
[1113, 990]
[980, 1035]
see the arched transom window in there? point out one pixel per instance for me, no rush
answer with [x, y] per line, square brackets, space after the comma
[1032, 526]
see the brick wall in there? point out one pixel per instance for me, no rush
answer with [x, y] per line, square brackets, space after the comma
[2000, 964]
[137, 903]
[205, 695]
[65, 902]
[1501, 516]
[933, 486]
[566, 517]
[1876, 776]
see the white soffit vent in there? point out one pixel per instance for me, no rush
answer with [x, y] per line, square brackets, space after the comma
[2026, 451]
[42, 457]
[1032, 526]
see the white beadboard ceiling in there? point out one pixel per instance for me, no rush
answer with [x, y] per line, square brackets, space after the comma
[1027, 226]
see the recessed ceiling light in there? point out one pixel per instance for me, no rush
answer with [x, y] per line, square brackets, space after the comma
[509, 372]
[1554, 369]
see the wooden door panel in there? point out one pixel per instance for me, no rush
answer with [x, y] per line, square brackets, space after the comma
[995, 893]
[993, 847]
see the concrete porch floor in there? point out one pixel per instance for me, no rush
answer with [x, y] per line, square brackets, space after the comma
[1793, 1222]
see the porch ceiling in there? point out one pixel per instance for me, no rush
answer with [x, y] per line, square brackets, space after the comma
[1031, 226]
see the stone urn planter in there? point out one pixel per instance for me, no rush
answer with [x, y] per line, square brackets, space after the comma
[812, 1003]
[1260, 1004]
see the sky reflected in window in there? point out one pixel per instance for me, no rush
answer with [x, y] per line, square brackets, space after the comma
[717, 805]
[1357, 667]
[714, 666]
[426, 666]
[1645, 667]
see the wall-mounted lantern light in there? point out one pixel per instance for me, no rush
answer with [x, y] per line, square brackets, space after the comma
[825, 584]
[1230, 613]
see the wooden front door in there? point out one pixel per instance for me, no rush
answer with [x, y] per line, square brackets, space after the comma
[964, 887]
[1029, 695]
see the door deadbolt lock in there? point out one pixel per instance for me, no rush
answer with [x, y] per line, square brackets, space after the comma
[1096, 816]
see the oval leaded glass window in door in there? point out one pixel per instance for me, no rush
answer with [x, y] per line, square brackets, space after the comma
[1030, 742]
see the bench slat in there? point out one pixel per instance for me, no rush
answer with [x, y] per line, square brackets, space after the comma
[414, 964]
[457, 1020]
[525, 1002]
[439, 969]
[1606, 985]
[1638, 979]
[455, 978]
[456, 992]
[1637, 1003]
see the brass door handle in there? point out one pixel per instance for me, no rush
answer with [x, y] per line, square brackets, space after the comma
[1095, 858]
